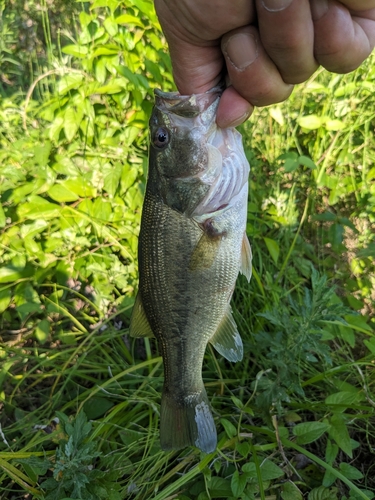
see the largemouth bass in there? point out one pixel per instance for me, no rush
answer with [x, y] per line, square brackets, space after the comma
[192, 245]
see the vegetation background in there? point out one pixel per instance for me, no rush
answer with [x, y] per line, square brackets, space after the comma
[296, 418]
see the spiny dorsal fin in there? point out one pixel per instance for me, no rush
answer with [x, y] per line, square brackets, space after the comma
[246, 258]
[227, 340]
[139, 325]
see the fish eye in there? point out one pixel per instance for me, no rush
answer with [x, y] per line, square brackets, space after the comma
[161, 138]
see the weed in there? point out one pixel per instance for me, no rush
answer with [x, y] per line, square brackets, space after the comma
[296, 417]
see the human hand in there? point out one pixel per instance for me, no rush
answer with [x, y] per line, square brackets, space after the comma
[264, 47]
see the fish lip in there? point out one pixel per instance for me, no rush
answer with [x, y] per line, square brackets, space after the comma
[188, 106]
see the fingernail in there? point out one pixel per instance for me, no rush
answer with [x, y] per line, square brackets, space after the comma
[242, 50]
[241, 119]
[318, 9]
[276, 5]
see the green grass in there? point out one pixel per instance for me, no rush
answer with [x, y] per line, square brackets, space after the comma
[296, 417]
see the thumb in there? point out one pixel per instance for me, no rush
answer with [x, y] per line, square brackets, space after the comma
[196, 68]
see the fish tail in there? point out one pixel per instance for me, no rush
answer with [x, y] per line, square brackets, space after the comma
[187, 421]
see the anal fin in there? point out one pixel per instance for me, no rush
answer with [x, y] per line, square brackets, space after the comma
[227, 340]
[139, 325]
[246, 258]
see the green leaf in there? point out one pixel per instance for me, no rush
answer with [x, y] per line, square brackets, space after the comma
[80, 187]
[28, 307]
[42, 331]
[42, 152]
[238, 403]
[277, 114]
[343, 398]
[62, 194]
[323, 493]
[311, 122]
[359, 322]
[334, 125]
[370, 344]
[101, 70]
[106, 51]
[31, 246]
[331, 452]
[129, 75]
[111, 88]
[55, 128]
[220, 487]
[243, 448]
[79, 51]
[355, 496]
[268, 470]
[129, 436]
[72, 119]
[128, 19]
[102, 209]
[350, 472]
[325, 217]
[339, 433]
[112, 180]
[290, 165]
[345, 90]
[229, 428]
[96, 407]
[5, 298]
[369, 251]
[85, 19]
[38, 208]
[111, 26]
[308, 432]
[306, 162]
[21, 192]
[273, 248]
[2, 216]
[32, 228]
[9, 273]
[347, 334]
[238, 483]
[290, 492]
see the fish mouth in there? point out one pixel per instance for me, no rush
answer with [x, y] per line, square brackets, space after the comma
[187, 106]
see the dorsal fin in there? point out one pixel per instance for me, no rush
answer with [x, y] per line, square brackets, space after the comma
[227, 340]
[139, 325]
[246, 258]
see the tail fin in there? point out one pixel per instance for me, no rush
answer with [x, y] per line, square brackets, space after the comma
[187, 422]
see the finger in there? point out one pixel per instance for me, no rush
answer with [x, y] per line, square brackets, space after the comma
[251, 72]
[197, 65]
[193, 30]
[342, 42]
[287, 34]
[195, 69]
[233, 109]
[359, 4]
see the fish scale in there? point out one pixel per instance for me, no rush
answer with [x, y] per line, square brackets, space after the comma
[189, 256]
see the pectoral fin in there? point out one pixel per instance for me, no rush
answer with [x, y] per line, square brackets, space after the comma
[227, 340]
[204, 253]
[246, 258]
[139, 325]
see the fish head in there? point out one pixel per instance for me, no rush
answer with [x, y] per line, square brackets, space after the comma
[195, 167]
[179, 126]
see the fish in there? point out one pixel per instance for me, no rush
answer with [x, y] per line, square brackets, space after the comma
[192, 246]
